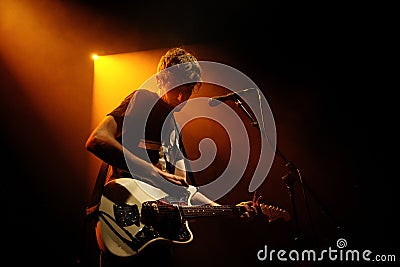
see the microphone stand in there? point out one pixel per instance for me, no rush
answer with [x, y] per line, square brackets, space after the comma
[290, 179]
[240, 105]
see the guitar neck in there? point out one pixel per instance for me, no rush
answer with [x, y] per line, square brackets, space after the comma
[210, 211]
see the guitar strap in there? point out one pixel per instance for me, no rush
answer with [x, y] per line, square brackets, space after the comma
[189, 173]
[92, 213]
[94, 202]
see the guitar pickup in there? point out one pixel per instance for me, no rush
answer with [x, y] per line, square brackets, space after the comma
[126, 215]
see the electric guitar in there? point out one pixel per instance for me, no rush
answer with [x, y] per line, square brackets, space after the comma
[134, 214]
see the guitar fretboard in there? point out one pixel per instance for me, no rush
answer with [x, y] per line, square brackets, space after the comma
[209, 211]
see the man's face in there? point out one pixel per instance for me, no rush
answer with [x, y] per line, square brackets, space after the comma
[178, 95]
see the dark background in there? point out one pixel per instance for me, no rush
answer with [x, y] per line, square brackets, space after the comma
[323, 68]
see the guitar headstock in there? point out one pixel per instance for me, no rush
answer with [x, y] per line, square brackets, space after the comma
[273, 213]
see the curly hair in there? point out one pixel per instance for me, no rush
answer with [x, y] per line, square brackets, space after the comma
[186, 68]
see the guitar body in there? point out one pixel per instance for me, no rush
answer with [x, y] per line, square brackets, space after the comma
[130, 218]
[134, 215]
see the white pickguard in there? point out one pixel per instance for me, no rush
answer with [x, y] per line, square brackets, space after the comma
[139, 192]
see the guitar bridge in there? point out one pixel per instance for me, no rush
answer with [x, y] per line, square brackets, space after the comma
[126, 215]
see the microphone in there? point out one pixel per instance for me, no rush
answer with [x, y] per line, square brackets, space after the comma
[216, 100]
